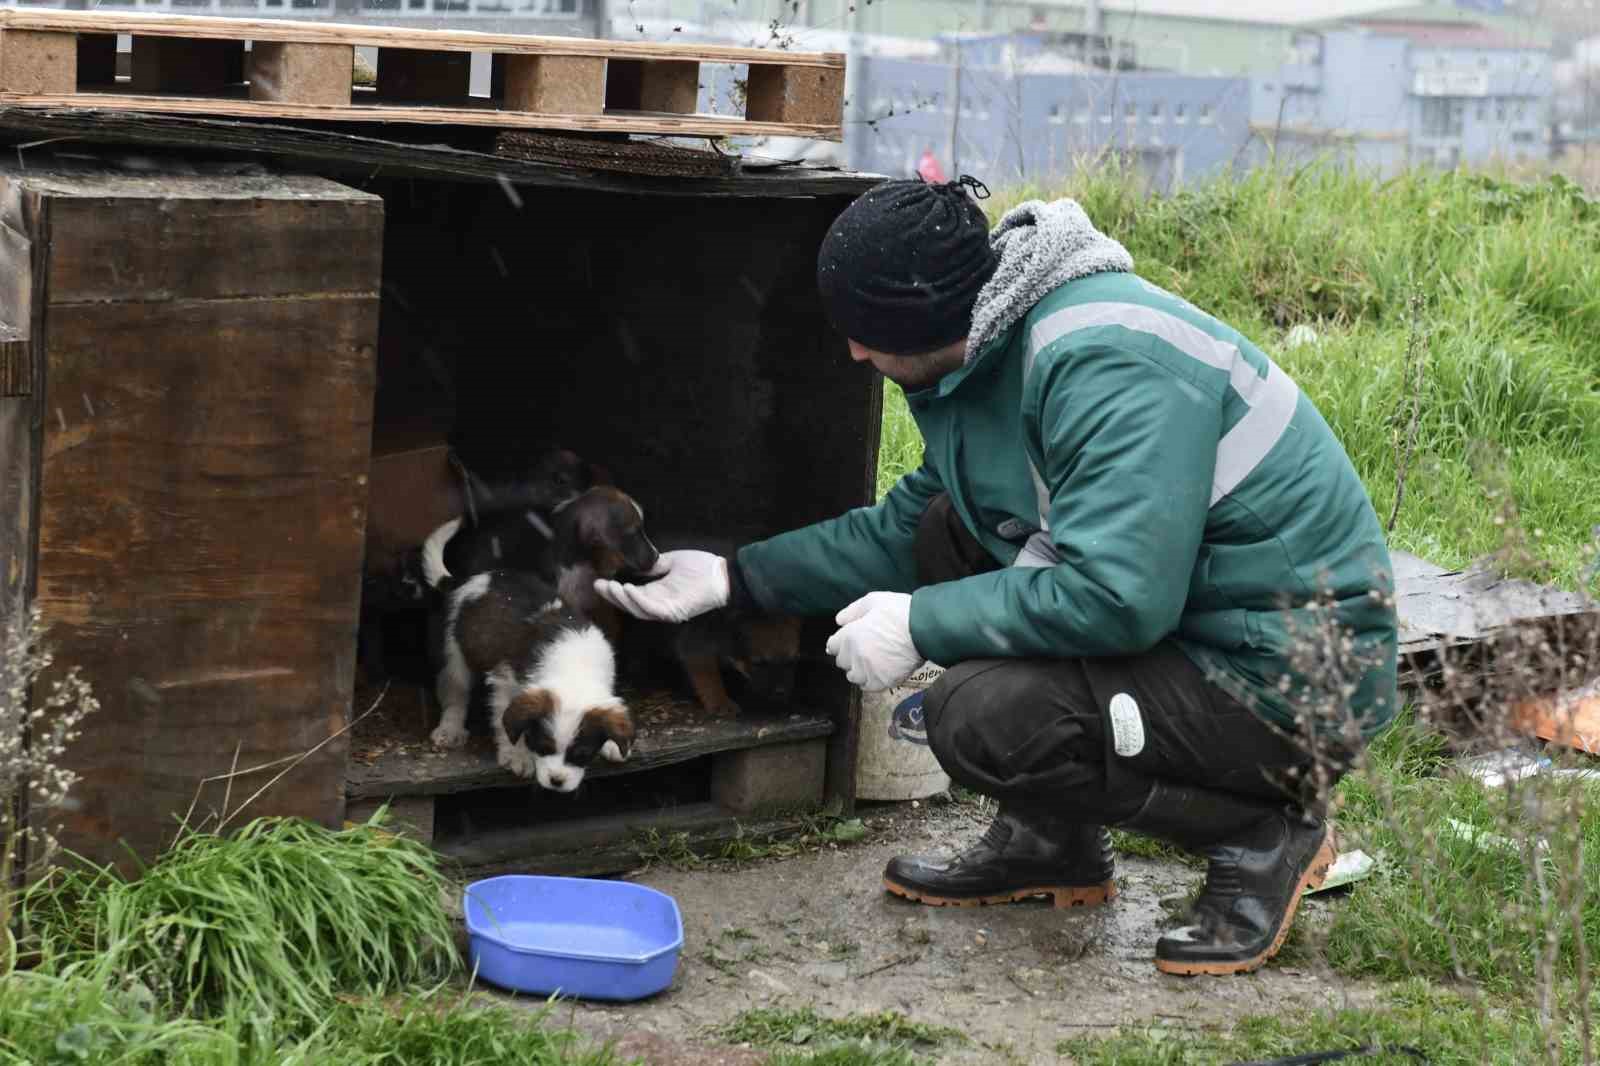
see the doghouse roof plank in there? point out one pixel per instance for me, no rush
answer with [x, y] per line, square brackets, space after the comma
[366, 155]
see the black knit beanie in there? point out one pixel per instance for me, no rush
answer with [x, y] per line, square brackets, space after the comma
[902, 266]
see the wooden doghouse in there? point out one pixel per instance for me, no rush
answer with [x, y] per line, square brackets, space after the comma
[215, 357]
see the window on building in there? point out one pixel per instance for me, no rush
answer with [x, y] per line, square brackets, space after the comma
[1105, 116]
[1180, 112]
[1156, 114]
[1441, 116]
[1132, 112]
[1523, 137]
[1081, 116]
[1483, 110]
[1057, 115]
[1499, 110]
[1206, 116]
[1519, 112]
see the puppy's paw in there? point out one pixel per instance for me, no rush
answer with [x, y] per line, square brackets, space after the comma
[517, 759]
[449, 735]
[609, 750]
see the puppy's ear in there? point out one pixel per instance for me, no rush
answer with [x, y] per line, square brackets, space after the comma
[616, 725]
[524, 712]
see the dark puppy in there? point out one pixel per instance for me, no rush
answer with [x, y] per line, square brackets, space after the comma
[412, 492]
[601, 531]
[762, 648]
[550, 674]
[553, 477]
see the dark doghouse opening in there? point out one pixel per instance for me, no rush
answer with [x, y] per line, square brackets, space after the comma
[676, 342]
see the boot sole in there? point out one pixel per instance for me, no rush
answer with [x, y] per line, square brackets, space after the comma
[1065, 896]
[1315, 874]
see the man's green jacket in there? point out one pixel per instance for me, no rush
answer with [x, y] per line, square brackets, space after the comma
[1142, 471]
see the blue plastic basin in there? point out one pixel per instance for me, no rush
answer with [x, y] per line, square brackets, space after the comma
[573, 936]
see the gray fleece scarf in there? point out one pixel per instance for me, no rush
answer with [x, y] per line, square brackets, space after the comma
[1041, 246]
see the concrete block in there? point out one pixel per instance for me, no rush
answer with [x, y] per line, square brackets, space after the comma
[777, 776]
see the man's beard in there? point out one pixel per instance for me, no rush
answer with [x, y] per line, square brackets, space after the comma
[917, 372]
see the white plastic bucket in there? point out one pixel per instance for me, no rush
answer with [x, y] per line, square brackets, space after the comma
[893, 760]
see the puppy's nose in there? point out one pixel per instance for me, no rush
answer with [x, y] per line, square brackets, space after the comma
[558, 780]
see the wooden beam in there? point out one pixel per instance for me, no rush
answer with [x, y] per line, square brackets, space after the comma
[36, 62]
[554, 85]
[292, 72]
[794, 94]
[333, 150]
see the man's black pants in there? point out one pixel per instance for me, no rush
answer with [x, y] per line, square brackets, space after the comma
[1036, 734]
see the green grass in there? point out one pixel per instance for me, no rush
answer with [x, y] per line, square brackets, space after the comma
[84, 1013]
[1508, 279]
[269, 924]
[1449, 908]
[1449, 1028]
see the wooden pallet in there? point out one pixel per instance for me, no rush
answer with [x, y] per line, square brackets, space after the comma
[271, 68]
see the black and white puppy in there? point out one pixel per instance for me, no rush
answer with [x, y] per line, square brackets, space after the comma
[549, 671]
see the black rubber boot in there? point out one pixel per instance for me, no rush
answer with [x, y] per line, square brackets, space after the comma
[1017, 858]
[1261, 858]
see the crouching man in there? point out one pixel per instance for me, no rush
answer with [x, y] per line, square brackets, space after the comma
[1161, 594]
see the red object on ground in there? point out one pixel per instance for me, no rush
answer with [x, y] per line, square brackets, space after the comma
[928, 167]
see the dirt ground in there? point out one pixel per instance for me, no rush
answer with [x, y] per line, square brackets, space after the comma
[817, 930]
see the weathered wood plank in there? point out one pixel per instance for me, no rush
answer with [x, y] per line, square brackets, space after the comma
[202, 504]
[16, 362]
[671, 125]
[439, 773]
[201, 238]
[358, 155]
[608, 844]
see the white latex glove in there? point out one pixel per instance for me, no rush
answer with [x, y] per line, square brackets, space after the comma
[695, 582]
[873, 645]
